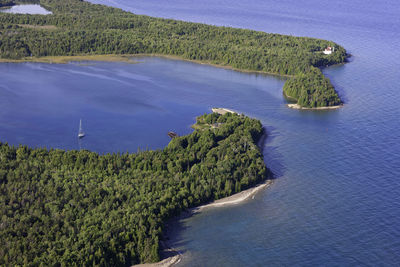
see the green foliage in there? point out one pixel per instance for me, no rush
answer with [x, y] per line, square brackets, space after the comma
[80, 208]
[311, 89]
[84, 28]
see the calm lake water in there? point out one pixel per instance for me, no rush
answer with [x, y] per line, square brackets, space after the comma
[336, 199]
[26, 9]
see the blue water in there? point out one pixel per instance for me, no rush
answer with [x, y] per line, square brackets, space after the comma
[26, 9]
[336, 199]
[123, 107]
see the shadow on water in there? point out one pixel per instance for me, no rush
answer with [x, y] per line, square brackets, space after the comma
[332, 73]
[261, 145]
[173, 242]
[272, 158]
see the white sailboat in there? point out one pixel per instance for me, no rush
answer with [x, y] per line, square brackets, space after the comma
[81, 133]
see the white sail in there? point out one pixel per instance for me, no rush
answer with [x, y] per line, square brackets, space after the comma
[81, 133]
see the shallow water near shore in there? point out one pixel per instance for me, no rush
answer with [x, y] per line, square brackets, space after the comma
[336, 199]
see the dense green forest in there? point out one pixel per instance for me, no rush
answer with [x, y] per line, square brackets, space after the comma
[83, 28]
[305, 88]
[79, 208]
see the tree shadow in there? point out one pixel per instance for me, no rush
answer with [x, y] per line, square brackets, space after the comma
[172, 240]
[272, 158]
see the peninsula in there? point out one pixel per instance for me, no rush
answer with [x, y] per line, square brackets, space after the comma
[78, 28]
[81, 208]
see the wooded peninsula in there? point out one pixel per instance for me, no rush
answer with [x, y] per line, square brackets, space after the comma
[80, 28]
[80, 208]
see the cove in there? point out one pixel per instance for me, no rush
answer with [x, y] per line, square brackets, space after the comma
[123, 107]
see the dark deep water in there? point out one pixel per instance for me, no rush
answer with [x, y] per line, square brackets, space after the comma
[336, 201]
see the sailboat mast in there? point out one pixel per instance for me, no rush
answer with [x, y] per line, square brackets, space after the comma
[80, 133]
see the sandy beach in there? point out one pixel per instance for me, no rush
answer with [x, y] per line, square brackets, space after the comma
[231, 200]
[296, 106]
[164, 263]
[234, 199]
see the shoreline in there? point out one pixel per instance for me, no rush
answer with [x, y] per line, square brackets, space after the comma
[223, 111]
[209, 63]
[163, 263]
[234, 199]
[126, 58]
[296, 106]
[130, 58]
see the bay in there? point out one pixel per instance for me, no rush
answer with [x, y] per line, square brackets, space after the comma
[124, 107]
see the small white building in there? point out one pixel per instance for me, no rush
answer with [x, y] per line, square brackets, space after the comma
[329, 50]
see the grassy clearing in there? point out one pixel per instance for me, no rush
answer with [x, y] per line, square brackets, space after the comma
[38, 27]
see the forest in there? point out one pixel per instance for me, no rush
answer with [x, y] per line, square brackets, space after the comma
[304, 88]
[82, 28]
[79, 208]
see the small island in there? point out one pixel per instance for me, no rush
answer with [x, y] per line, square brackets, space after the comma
[78, 28]
[82, 208]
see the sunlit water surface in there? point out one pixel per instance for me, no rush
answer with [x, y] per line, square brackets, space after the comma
[335, 201]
